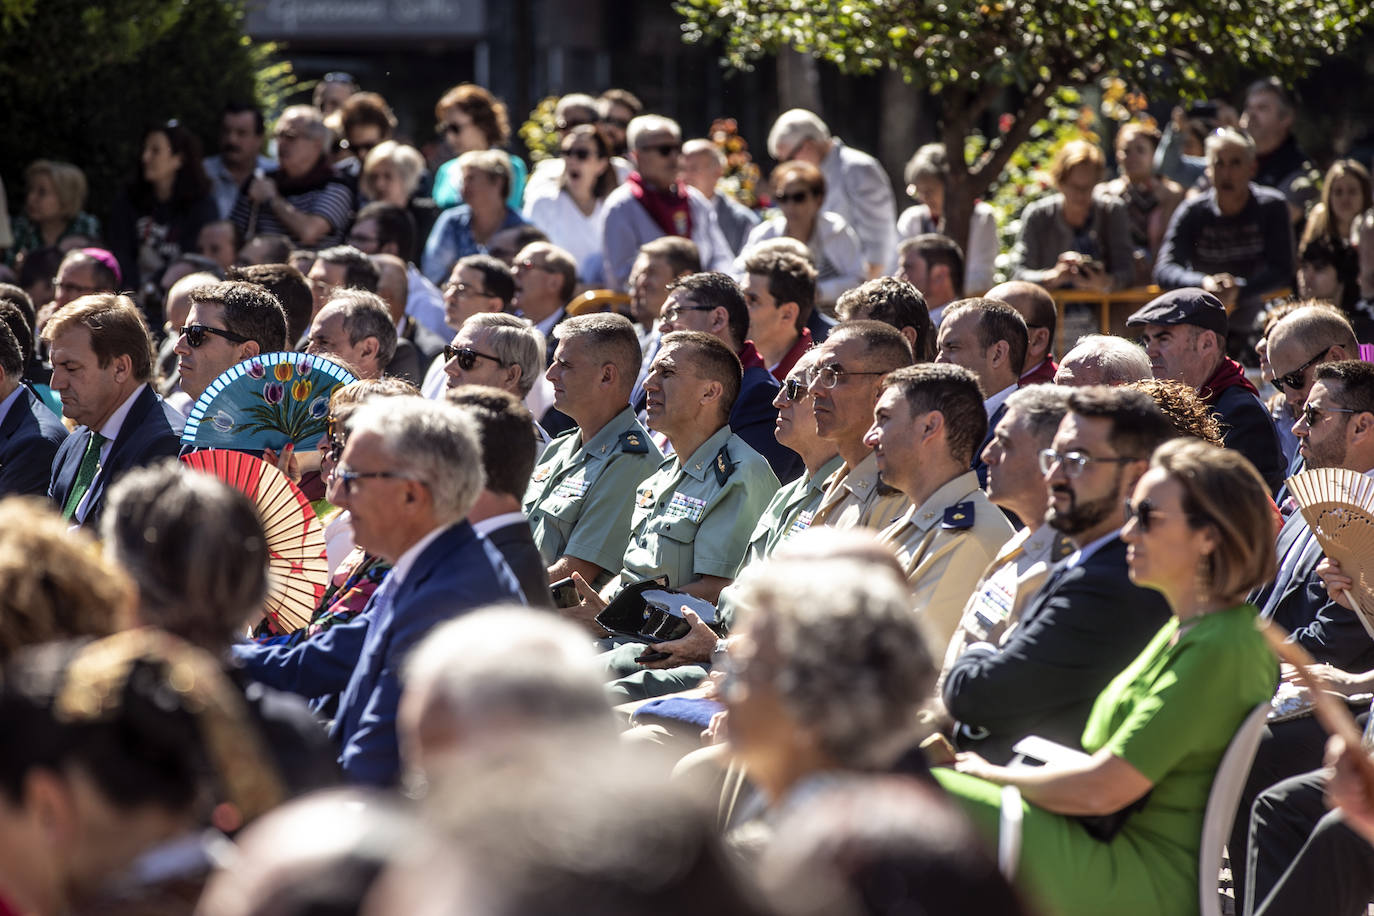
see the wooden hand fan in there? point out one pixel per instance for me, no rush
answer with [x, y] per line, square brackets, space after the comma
[1338, 505]
[265, 402]
[298, 572]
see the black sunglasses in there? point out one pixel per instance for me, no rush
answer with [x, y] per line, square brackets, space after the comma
[466, 356]
[800, 197]
[195, 335]
[663, 149]
[1145, 514]
[1293, 380]
[581, 154]
[795, 389]
[615, 122]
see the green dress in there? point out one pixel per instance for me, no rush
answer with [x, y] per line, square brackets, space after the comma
[1170, 714]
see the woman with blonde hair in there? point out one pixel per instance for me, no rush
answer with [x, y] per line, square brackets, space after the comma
[391, 175]
[53, 200]
[1077, 237]
[1120, 831]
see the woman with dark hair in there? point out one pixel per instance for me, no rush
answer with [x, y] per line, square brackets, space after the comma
[1120, 831]
[110, 751]
[573, 219]
[161, 213]
[471, 119]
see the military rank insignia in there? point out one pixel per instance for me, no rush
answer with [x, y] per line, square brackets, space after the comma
[633, 443]
[958, 516]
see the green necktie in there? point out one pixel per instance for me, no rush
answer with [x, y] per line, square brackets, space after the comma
[90, 463]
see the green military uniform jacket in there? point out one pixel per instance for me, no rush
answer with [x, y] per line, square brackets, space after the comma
[944, 545]
[581, 496]
[790, 512]
[856, 498]
[694, 517]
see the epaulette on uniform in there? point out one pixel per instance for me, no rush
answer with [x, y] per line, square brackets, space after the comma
[958, 516]
[724, 467]
[633, 443]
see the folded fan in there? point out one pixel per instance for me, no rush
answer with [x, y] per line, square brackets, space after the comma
[298, 571]
[1338, 504]
[265, 402]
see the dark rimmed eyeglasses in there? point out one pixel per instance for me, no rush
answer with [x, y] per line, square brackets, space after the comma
[195, 335]
[348, 478]
[1074, 463]
[829, 376]
[673, 312]
[1146, 513]
[1293, 381]
[1312, 414]
[467, 357]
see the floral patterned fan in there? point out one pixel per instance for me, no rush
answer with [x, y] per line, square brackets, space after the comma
[298, 572]
[265, 402]
[1338, 504]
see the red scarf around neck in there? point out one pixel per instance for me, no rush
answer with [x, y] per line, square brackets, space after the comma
[670, 209]
[1229, 374]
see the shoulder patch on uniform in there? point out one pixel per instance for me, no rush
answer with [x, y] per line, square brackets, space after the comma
[724, 467]
[633, 443]
[958, 516]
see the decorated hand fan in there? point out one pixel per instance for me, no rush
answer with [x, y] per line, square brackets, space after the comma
[297, 569]
[265, 402]
[1338, 505]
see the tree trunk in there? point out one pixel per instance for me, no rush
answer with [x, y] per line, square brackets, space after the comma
[901, 112]
[799, 81]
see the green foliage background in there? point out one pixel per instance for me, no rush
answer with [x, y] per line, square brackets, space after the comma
[82, 81]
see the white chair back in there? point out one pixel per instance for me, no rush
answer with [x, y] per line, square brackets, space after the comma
[1221, 807]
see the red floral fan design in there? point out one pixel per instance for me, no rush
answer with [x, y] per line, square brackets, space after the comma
[297, 570]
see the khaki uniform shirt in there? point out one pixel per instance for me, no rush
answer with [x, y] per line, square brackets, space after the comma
[581, 496]
[856, 498]
[944, 545]
[694, 516]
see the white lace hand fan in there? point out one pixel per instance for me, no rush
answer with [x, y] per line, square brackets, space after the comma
[1338, 504]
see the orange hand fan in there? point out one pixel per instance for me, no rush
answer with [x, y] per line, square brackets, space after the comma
[297, 569]
[1338, 504]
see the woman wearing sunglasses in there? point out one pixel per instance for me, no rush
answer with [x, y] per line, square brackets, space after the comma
[799, 190]
[1119, 831]
[471, 119]
[573, 218]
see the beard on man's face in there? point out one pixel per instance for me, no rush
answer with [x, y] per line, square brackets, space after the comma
[1079, 516]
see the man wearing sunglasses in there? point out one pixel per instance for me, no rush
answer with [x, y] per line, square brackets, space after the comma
[926, 425]
[1336, 430]
[652, 203]
[227, 323]
[1184, 332]
[1088, 621]
[1298, 344]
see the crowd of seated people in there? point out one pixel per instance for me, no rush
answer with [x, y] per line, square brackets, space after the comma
[745, 585]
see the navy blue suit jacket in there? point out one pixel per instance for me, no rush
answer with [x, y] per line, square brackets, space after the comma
[30, 435]
[1299, 603]
[145, 437]
[1083, 628]
[753, 418]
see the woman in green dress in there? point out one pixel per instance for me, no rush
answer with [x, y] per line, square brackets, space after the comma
[1199, 531]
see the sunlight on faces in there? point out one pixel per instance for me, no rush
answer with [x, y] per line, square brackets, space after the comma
[1079, 504]
[1168, 553]
[89, 392]
[895, 436]
[845, 412]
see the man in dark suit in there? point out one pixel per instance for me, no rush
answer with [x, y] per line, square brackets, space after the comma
[1335, 429]
[102, 359]
[30, 433]
[1184, 332]
[989, 338]
[505, 429]
[1088, 621]
[714, 304]
[408, 476]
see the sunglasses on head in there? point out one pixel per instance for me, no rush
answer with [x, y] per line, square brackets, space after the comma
[467, 357]
[195, 335]
[797, 197]
[1145, 514]
[1293, 381]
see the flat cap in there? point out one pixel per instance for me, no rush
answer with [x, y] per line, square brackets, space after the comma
[1189, 305]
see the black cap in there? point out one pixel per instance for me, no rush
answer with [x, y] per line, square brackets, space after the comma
[1188, 305]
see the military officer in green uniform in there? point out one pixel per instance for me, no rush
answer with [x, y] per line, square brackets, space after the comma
[582, 492]
[693, 518]
[928, 422]
[849, 369]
